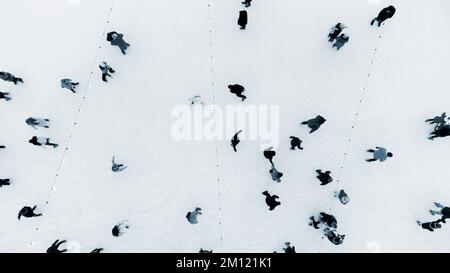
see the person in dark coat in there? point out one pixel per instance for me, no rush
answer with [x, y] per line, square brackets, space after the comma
[53, 249]
[38, 122]
[444, 211]
[41, 141]
[324, 177]
[237, 90]
[384, 14]
[116, 39]
[247, 3]
[296, 143]
[5, 96]
[276, 175]
[328, 220]
[106, 69]
[97, 250]
[314, 123]
[289, 249]
[192, 216]
[341, 40]
[431, 226]
[335, 31]
[204, 251]
[342, 196]
[269, 154]
[243, 19]
[8, 77]
[2, 147]
[235, 140]
[333, 237]
[5, 182]
[28, 212]
[120, 228]
[443, 131]
[438, 120]
[271, 200]
[315, 223]
[69, 84]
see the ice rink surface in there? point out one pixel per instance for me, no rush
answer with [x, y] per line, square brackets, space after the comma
[376, 91]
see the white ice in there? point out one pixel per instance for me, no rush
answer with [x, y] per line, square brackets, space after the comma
[376, 91]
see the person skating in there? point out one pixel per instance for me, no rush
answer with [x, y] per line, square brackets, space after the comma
[315, 223]
[296, 143]
[106, 69]
[324, 177]
[341, 40]
[38, 122]
[5, 182]
[438, 120]
[192, 216]
[247, 3]
[269, 154]
[120, 228]
[204, 251]
[443, 131]
[53, 249]
[235, 140]
[41, 141]
[444, 211]
[333, 237]
[5, 96]
[271, 200]
[28, 212]
[342, 196]
[117, 167]
[315, 123]
[328, 220]
[116, 39]
[243, 19]
[8, 77]
[289, 249]
[97, 250]
[431, 226]
[384, 14]
[335, 31]
[276, 175]
[69, 84]
[380, 154]
[237, 90]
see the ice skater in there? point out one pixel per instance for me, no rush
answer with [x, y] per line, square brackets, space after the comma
[342, 196]
[5, 182]
[120, 228]
[192, 216]
[53, 249]
[269, 154]
[38, 122]
[341, 40]
[69, 84]
[335, 31]
[315, 123]
[235, 140]
[431, 226]
[116, 39]
[204, 251]
[106, 69]
[247, 3]
[243, 19]
[438, 120]
[8, 77]
[380, 154]
[276, 175]
[5, 96]
[28, 212]
[296, 143]
[444, 211]
[384, 14]
[97, 250]
[42, 141]
[443, 131]
[333, 237]
[328, 220]
[237, 90]
[289, 249]
[117, 167]
[271, 200]
[324, 177]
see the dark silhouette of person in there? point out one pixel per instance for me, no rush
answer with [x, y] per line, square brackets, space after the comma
[324, 177]
[28, 212]
[53, 249]
[271, 200]
[235, 140]
[314, 123]
[296, 143]
[243, 19]
[269, 154]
